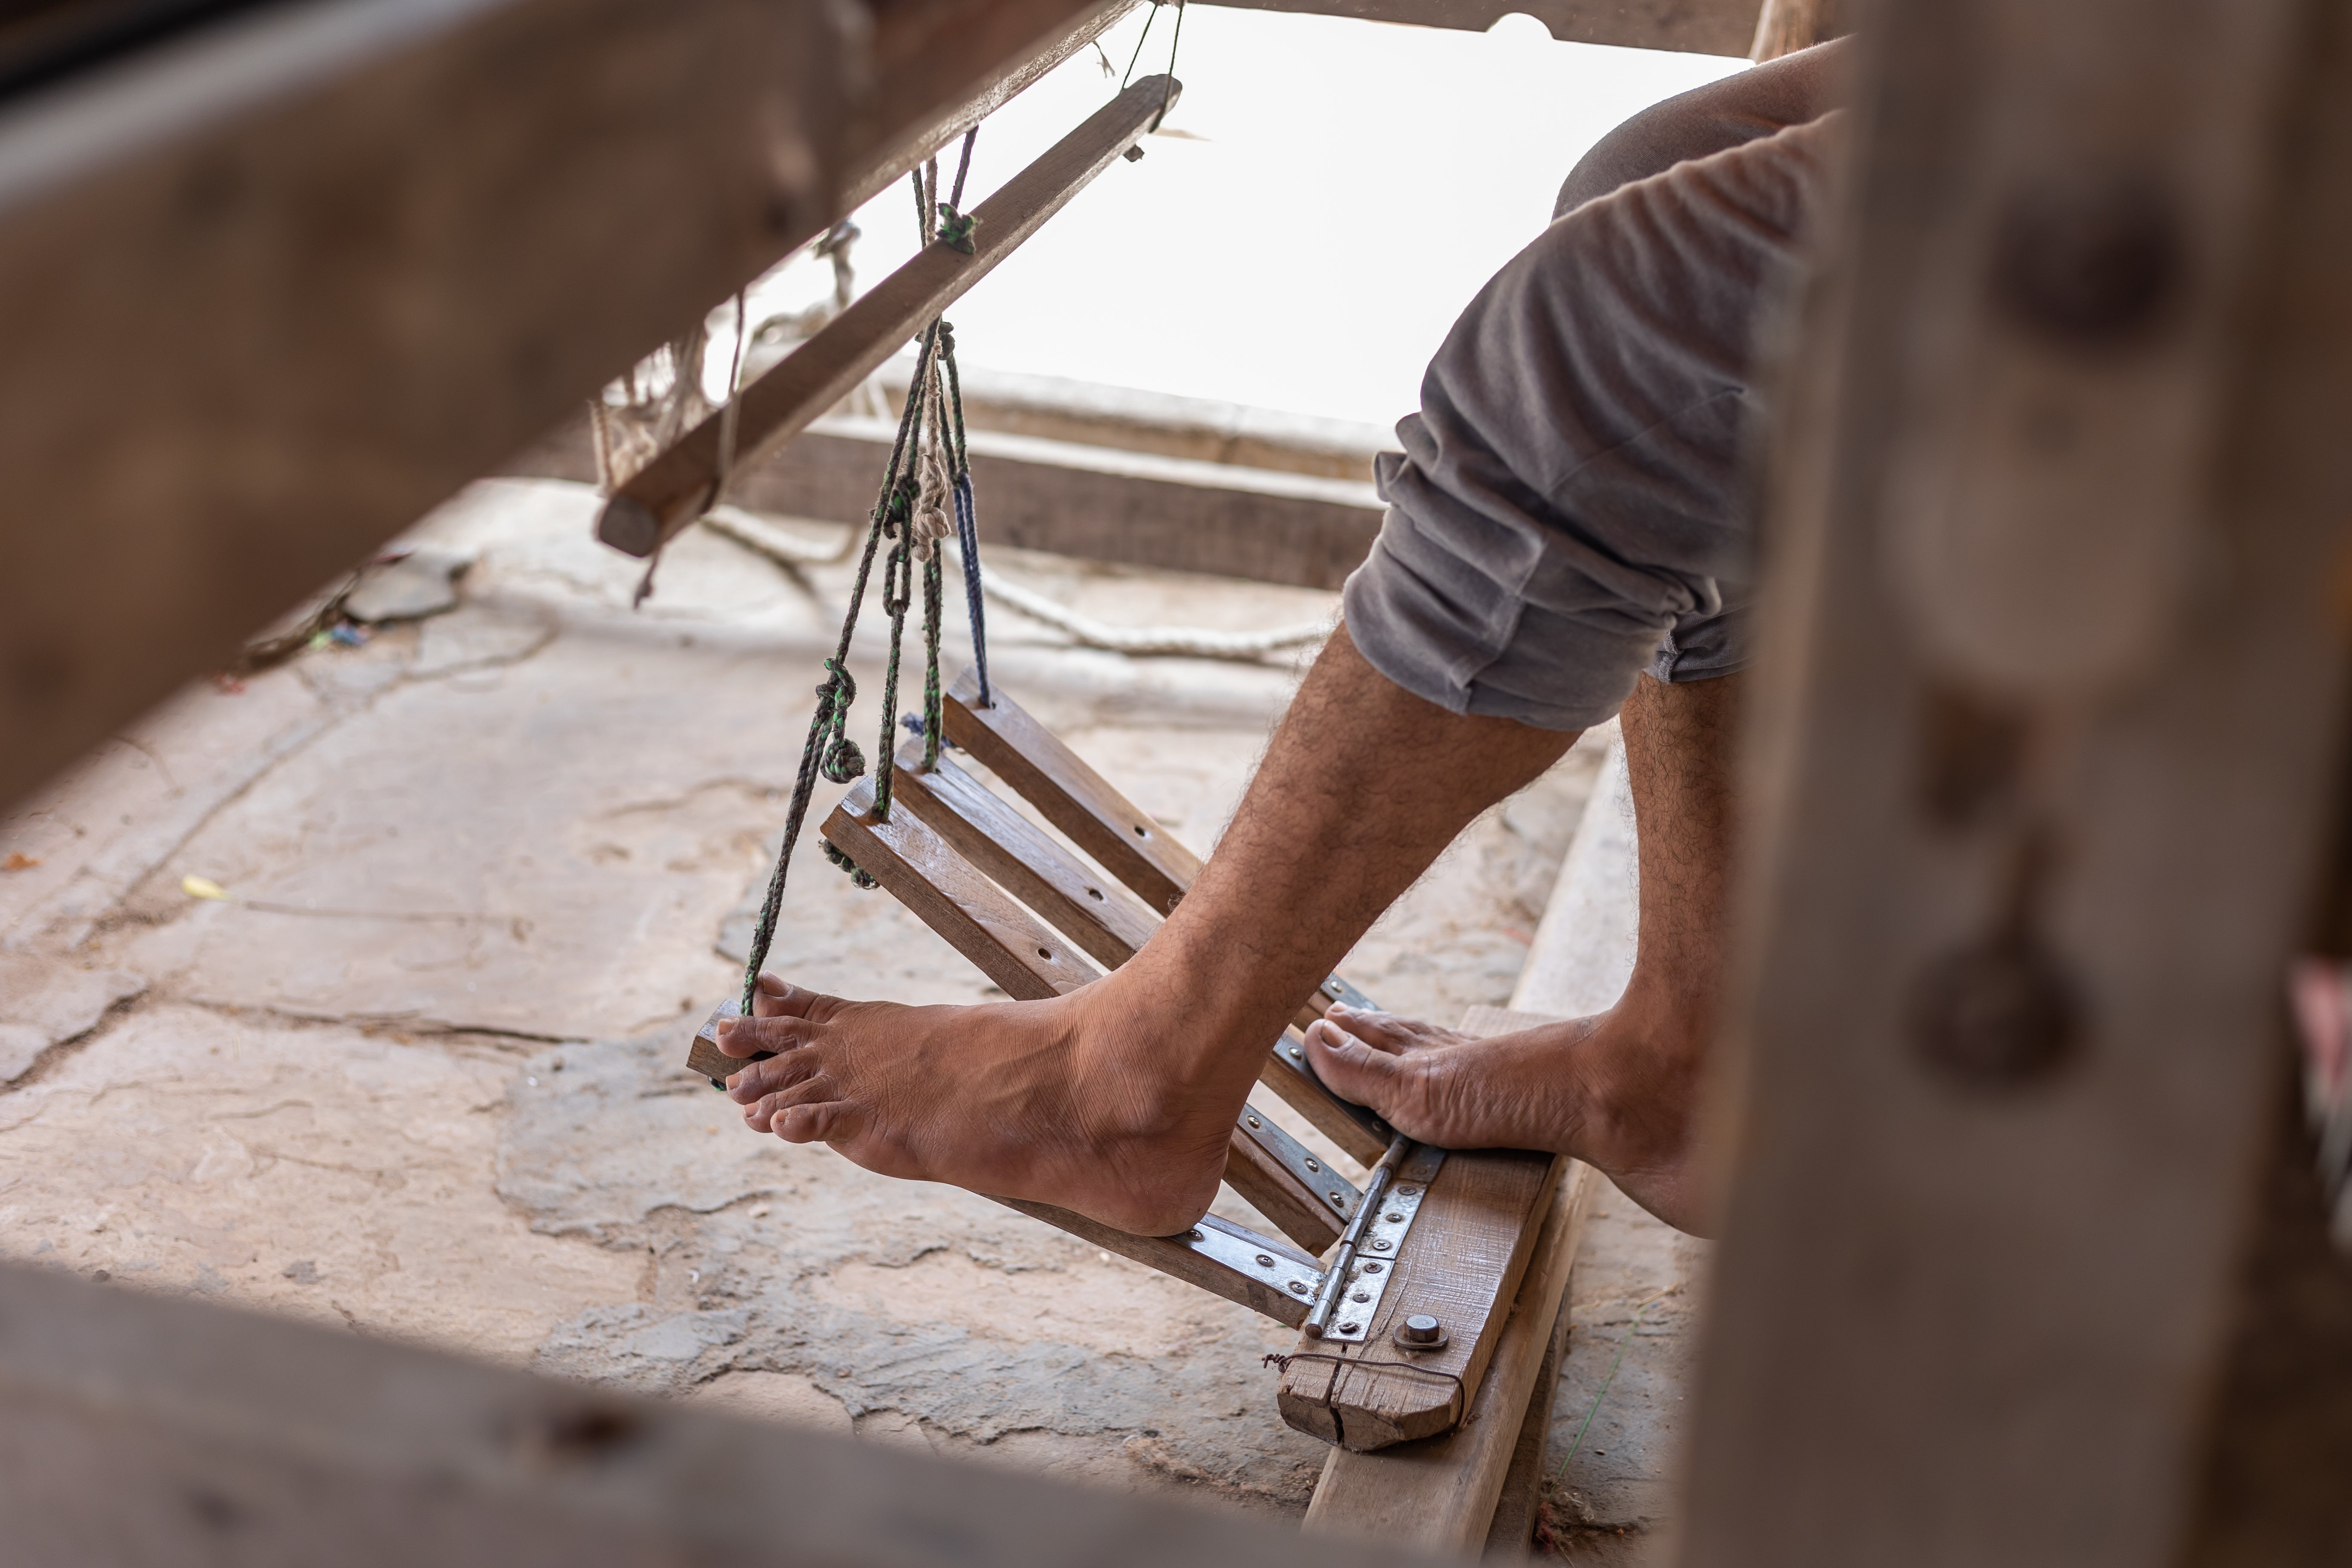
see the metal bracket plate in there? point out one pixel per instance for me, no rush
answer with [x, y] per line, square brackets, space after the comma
[1375, 1265]
[1336, 1192]
[1253, 1256]
[1338, 990]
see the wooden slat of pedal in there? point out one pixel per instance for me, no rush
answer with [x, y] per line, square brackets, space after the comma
[1091, 909]
[924, 872]
[1261, 1288]
[1071, 796]
[1461, 1263]
[1109, 922]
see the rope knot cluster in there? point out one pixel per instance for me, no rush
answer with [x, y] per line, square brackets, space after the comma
[955, 229]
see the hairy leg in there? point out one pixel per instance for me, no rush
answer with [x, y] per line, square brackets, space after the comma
[1117, 1100]
[1618, 1090]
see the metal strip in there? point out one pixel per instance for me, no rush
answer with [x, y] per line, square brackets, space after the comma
[1336, 1192]
[1338, 990]
[1251, 1254]
[1375, 1261]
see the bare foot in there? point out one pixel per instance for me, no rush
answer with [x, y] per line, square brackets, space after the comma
[1607, 1090]
[1059, 1102]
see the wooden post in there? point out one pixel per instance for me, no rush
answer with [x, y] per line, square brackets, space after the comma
[2049, 709]
[1784, 26]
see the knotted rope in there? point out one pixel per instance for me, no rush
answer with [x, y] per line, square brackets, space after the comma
[926, 494]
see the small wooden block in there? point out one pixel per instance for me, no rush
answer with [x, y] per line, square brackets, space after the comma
[703, 1055]
[1461, 1262]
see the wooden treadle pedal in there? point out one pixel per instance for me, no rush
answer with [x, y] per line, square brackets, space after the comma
[1447, 1238]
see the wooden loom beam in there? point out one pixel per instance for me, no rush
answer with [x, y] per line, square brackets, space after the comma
[686, 478]
[360, 254]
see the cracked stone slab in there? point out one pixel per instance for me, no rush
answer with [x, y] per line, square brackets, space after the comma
[314, 1169]
[45, 1001]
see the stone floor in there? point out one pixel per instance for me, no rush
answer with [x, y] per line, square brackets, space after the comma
[416, 1074]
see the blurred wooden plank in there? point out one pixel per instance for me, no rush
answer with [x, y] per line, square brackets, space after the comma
[1689, 26]
[361, 250]
[155, 1432]
[1462, 1263]
[2042, 798]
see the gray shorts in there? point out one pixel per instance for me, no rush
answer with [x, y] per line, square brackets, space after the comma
[1575, 502]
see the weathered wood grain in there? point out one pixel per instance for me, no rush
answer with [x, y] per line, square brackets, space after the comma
[1026, 961]
[684, 480]
[1034, 762]
[1439, 1495]
[2039, 794]
[1462, 1263]
[1091, 909]
[150, 1431]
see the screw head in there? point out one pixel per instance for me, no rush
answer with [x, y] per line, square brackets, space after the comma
[1381, 1244]
[1296, 1055]
[1312, 1165]
[1393, 1217]
[1299, 1287]
[1371, 1267]
[1195, 1234]
[1254, 1122]
[1337, 1201]
[1997, 1016]
[1266, 1260]
[1407, 1190]
[1349, 1328]
[1361, 1296]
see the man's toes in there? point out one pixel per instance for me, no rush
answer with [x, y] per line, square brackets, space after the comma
[1356, 1069]
[780, 998]
[826, 1121]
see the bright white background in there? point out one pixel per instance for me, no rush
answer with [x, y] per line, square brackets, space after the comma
[1352, 186]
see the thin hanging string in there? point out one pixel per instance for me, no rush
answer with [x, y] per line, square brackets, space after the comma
[1153, 17]
[1168, 92]
[728, 415]
[828, 750]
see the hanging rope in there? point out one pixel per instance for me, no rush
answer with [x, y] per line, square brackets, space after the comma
[926, 493]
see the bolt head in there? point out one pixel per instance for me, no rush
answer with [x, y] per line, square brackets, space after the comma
[1420, 1329]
